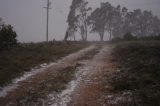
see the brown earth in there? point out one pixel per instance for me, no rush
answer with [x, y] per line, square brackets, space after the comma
[25, 86]
[89, 90]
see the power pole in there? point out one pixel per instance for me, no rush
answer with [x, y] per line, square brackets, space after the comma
[47, 8]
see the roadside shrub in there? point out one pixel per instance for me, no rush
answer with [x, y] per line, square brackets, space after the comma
[7, 37]
[129, 36]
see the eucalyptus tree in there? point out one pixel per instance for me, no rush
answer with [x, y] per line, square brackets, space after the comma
[137, 22]
[152, 24]
[145, 23]
[77, 19]
[155, 26]
[82, 16]
[97, 21]
[72, 19]
[118, 22]
[110, 20]
[127, 21]
[103, 19]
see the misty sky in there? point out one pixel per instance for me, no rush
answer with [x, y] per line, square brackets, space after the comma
[29, 17]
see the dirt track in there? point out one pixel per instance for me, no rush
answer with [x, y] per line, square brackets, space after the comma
[84, 90]
[89, 91]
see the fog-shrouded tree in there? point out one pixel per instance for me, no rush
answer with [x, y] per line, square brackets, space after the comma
[155, 26]
[77, 19]
[82, 16]
[102, 19]
[72, 19]
[118, 21]
[109, 17]
[143, 22]
[1, 23]
[98, 25]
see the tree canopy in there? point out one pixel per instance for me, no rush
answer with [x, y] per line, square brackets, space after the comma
[7, 36]
[77, 19]
[116, 21]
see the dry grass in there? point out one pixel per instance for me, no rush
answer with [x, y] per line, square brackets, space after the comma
[16, 61]
[53, 83]
[139, 73]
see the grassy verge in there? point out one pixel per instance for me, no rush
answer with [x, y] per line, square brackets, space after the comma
[16, 61]
[139, 72]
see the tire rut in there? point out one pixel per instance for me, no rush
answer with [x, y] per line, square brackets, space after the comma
[22, 88]
[89, 90]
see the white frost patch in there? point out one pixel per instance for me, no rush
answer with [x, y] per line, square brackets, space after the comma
[72, 57]
[119, 98]
[64, 97]
[77, 55]
[14, 84]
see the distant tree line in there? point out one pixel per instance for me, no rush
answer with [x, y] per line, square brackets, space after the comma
[116, 21]
[131, 37]
[7, 36]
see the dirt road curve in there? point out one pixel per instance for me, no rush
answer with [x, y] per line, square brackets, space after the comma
[84, 90]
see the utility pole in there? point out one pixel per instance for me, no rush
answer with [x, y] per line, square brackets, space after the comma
[47, 8]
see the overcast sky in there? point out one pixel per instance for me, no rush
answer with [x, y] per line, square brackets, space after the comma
[29, 17]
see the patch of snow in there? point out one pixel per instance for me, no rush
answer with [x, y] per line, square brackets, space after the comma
[77, 55]
[119, 98]
[64, 97]
[71, 57]
[14, 84]
[118, 70]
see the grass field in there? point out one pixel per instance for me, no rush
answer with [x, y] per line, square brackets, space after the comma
[139, 72]
[16, 61]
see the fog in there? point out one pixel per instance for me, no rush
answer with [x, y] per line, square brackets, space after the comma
[28, 17]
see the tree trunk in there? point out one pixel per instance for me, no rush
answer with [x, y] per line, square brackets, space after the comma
[86, 31]
[83, 37]
[110, 35]
[101, 36]
[83, 33]
[74, 37]
[66, 36]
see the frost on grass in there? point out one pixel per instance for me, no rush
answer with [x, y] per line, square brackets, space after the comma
[122, 98]
[4, 90]
[72, 57]
[64, 97]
